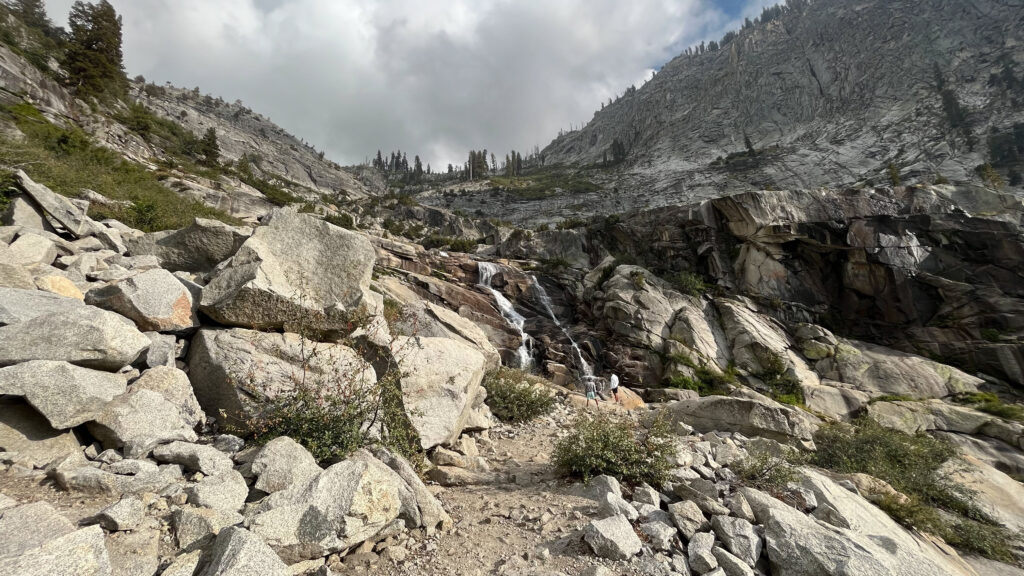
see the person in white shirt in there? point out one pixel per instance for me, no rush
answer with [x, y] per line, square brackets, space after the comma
[613, 382]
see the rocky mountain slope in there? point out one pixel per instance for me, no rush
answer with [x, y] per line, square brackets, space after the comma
[829, 93]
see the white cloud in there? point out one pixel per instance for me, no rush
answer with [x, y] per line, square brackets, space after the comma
[433, 77]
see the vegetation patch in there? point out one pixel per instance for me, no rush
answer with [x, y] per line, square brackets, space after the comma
[544, 183]
[515, 397]
[764, 472]
[992, 404]
[66, 160]
[910, 464]
[691, 283]
[464, 245]
[599, 445]
[781, 386]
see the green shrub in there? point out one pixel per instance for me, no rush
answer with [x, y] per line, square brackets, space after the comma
[764, 472]
[781, 386]
[465, 245]
[690, 283]
[992, 404]
[601, 445]
[638, 279]
[910, 464]
[572, 223]
[514, 398]
[991, 334]
[893, 398]
[342, 220]
[706, 382]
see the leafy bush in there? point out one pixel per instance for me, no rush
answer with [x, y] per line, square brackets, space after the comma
[706, 382]
[781, 386]
[453, 244]
[638, 279]
[910, 463]
[764, 472]
[601, 445]
[990, 334]
[572, 223]
[514, 398]
[690, 283]
[342, 220]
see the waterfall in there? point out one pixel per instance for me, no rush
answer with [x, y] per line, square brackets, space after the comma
[586, 369]
[487, 271]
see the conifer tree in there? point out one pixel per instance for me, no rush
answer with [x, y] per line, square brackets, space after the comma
[94, 60]
[209, 148]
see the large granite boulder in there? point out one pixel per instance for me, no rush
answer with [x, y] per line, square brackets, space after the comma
[878, 371]
[297, 271]
[199, 247]
[238, 552]
[66, 395]
[20, 305]
[342, 506]
[440, 387]
[155, 300]
[753, 415]
[66, 213]
[25, 432]
[84, 336]
[281, 463]
[139, 420]
[81, 553]
[233, 371]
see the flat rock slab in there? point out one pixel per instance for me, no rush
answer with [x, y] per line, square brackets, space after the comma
[66, 395]
[85, 336]
[20, 305]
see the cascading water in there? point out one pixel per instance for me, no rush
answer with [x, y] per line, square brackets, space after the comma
[585, 368]
[487, 271]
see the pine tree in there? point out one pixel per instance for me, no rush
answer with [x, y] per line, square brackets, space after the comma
[32, 13]
[94, 60]
[209, 148]
[378, 162]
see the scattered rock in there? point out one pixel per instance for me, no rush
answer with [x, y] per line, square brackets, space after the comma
[64, 394]
[612, 538]
[125, 514]
[197, 457]
[84, 336]
[238, 552]
[281, 463]
[699, 552]
[224, 490]
[155, 300]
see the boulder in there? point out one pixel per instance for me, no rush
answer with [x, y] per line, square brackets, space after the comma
[661, 535]
[432, 513]
[81, 553]
[688, 517]
[440, 383]
[20, 305]
[139, 420]
[23, 213]
[344, 505]
[155, 300]
[60, 285]
[174, 386]
[96, 481]
[739, 538]
[70, 216]
[281, 463]
[125, 514]
[199, 247]
[731, 565]
[699, 553]
[238, 552]
[84, 336]
[64, 394]
[27, 433]
[135, 553]
[755, 415]
[233, 371]
[29, 526]
[613, 505]
[612, 538]
[224, 491]
[14, 275]
[298, 270]
[877, 370]
[196, 527]
[799, 545]
[31, 250]
[997, 495]
[197, 457]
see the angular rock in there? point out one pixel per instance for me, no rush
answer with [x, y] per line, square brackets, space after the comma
[14, 275]
[174, 386]
[67, 214]
[344, 505]
[162, 348]
[731, 565]
[197, 457]
[20, 305]
[432, 513]
[196, 527]
[295, 269]
[64, 394]
[155, 300]
[85, 336]
[739, 538]
[699, 553]
[281, 463]
[660, 534]
[81, 553]
[31, 250]
[440, 381]
[27, 433]
[233, 371]
[199, 247]
[612, 538]
[138, 421]
[647, 495]
[125, 514]
[754, 416]
[224, 491]
[29, 526]
[184, 565]
[135, 553]
[93, 480]
[688, 518]
[613, 505]
[132, 467]
[229, 443]
[238, 552]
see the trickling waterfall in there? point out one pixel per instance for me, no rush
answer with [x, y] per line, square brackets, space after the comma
[584, 367]
[487, 271]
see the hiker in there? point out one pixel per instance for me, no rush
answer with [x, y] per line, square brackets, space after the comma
[591, 388]
[614, 383]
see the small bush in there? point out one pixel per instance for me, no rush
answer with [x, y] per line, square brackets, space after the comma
[991, 334]
[601, 445]
[690, 283]
[572, 223]
[465, 245]
[638, 279]
[992, 404]
[764, 472]
[782, 387]
[513, 397]
[342, 220]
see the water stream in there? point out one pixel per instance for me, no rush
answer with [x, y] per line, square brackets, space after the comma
[586, 370]
[508, 312]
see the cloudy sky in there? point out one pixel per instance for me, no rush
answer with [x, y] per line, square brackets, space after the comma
[432, 77]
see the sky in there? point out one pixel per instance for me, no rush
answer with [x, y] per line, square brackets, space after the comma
[434, 78]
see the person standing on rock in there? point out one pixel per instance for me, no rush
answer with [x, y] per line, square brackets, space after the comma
[590, 386]
[613, 382]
